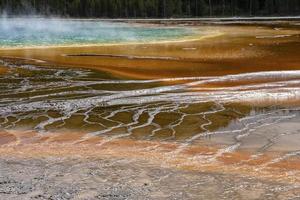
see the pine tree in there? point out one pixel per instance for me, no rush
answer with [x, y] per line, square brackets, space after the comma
[150, 8]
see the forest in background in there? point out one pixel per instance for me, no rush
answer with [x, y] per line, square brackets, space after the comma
[150, 8]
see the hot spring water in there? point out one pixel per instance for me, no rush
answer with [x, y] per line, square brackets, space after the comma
[18, 32]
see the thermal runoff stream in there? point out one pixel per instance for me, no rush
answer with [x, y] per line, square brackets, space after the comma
[57, 99]
[223, 87]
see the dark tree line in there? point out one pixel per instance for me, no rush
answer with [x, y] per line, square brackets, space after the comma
[150, 8]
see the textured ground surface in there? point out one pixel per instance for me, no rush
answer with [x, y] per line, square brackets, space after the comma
[124, 179]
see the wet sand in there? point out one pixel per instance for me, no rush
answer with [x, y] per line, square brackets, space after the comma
[207, 156]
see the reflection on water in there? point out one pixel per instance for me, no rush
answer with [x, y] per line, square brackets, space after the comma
[186, 110]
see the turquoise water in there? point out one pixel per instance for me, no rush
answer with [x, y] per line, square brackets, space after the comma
[16, 32]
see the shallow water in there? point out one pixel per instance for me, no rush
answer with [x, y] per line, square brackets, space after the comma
[16, 32]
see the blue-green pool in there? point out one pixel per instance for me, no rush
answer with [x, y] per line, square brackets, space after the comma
[16, 32]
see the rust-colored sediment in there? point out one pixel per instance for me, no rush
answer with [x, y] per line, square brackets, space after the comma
[3, 70]
[236, 50]
[165, 154]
